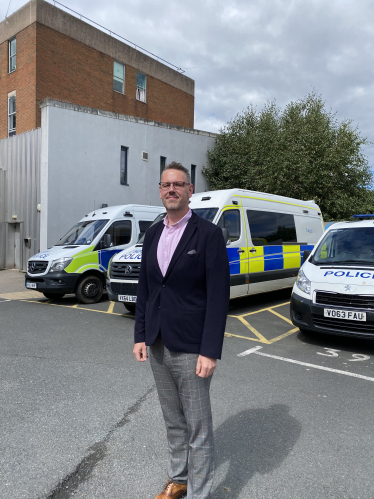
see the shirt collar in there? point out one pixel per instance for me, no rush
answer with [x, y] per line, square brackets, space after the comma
[183, 221]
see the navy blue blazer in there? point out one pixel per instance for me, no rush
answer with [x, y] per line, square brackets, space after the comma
[189, 305]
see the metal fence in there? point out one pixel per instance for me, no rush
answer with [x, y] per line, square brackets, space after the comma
[19, 198]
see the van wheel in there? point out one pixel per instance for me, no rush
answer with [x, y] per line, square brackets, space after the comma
[54, 296]
[131, 308]
[89, 289]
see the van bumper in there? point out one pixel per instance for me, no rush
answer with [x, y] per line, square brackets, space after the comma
[111, 295]
[309, 316]
[53, 282]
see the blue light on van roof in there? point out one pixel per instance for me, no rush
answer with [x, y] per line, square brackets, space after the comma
[362, 217]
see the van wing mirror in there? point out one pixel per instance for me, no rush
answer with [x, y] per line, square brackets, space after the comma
[226, 235]
[306, 255]
[106, 241]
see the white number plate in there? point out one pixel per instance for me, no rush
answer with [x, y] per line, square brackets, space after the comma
[344, 314]
[31, 285]
[126, 298]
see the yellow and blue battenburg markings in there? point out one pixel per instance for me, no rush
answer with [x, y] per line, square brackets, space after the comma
[277, 257]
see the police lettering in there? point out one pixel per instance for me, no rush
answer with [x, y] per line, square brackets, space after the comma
[340, 273]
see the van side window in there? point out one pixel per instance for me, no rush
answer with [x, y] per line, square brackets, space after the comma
[230, 219]
[143, 226]
[120, 232]
[271, 228]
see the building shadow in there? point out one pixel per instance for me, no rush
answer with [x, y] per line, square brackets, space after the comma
[252, 441]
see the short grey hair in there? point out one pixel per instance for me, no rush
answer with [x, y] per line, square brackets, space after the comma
[178, 166]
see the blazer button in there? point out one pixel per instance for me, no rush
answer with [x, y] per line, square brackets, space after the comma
[163, 285]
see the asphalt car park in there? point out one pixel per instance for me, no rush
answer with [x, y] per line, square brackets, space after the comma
[292, 413]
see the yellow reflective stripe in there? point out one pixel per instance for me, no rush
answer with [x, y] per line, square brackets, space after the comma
[256, 263]
[291, 256]
[275, 201]
[88, 267]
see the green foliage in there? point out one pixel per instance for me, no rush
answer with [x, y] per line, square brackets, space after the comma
[302, 152]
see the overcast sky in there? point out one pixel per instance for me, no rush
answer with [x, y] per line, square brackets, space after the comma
[250, 51]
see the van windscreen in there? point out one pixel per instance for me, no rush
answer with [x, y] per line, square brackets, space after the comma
[346, 246]
[82, 232]
[207, 213]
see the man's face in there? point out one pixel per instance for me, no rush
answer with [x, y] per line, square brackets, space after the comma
[175, 199]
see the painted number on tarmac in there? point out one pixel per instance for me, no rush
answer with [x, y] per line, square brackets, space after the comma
[357, 357]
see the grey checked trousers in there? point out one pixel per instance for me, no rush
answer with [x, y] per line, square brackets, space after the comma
[185, 404]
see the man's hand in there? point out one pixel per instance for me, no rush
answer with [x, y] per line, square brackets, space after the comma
[140, 352]
[205, 366]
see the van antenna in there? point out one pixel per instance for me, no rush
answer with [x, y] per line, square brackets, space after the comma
[94, 208]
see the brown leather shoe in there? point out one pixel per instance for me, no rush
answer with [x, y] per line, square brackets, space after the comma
[173, 490]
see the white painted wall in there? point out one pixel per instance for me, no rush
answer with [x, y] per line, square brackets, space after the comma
[81, 162]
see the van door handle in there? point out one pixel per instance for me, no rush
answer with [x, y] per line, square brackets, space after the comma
[252, 250]
[240, 251]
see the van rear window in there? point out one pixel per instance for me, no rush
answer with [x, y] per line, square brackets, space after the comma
[271, 228]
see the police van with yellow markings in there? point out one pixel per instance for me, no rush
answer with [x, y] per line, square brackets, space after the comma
[334, 291]
[266, 237]
[78, 262]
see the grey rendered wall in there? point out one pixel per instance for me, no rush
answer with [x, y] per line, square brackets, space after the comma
[81, 162]
[20, 192]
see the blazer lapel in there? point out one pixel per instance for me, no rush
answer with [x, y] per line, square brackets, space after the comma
[153, 248]
[186, 236]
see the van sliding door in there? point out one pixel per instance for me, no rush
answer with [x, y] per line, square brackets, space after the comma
[274, 254]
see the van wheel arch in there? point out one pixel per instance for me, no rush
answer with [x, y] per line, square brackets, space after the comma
[90, 287]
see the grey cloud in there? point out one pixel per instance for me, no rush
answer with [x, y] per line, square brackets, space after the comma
[250, 52]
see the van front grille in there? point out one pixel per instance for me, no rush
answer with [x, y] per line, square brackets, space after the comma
[119, 270]
[342, 300]
[343, 325]
[36, 267]
[124, 288]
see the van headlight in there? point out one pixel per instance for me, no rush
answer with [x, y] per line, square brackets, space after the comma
[108, 269]
[60, 264]
[303, 282]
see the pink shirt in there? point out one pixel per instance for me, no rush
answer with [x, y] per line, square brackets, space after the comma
[169, 240]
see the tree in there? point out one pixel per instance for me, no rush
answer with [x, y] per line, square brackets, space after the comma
[302, 152]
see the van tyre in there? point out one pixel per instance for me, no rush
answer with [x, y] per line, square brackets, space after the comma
[131, 308]
[54, 296]
[89, 289]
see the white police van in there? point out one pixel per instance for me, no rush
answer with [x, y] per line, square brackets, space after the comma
[266, 237]
[78, 262]
[334, 290]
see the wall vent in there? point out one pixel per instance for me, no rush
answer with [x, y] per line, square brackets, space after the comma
[144, 156]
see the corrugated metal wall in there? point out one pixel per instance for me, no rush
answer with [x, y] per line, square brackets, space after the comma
[19, 197]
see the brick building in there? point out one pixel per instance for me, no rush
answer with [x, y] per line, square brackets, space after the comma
[46, 52]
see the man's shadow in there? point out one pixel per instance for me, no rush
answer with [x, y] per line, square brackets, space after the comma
[252, 441]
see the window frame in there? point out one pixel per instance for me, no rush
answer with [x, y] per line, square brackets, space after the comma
[124, 165]
[240, 223]
[193, 177]
[12, 131]
[162, 164]
[11, 56]
[116, 78]
[138, 88]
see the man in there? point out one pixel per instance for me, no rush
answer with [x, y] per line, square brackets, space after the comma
[181, 310]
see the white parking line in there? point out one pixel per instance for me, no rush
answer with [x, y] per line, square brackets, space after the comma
[292, 361]
[2, 301]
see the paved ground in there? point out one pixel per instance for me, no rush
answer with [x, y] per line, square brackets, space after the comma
[12, 285]
[80, 418]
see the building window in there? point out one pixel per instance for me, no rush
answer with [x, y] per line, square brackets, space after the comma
[193, 176]
[124, 165]
[11, 114]
[141, 82]
[119, 77]
[12, 55]
[162, 164]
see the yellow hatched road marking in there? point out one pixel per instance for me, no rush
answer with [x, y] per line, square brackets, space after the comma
[281, 316]
[258, 311]
[254, 331]
[283, 335]
[74, 306]
[111, 307]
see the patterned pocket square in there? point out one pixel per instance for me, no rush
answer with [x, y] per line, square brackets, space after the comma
[192, 252]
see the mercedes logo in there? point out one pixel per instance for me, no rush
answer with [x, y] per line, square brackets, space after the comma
[128, 269]
[32, 266]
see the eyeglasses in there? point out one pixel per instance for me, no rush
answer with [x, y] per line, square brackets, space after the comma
[177, 185]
